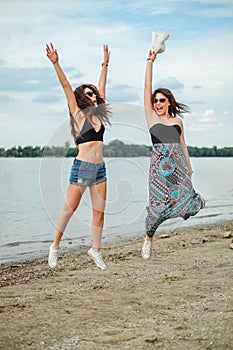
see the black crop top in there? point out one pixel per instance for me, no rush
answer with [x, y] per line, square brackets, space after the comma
[89, 134]
[161, 133]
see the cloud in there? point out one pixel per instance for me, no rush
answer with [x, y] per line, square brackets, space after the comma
[31, 79]
[58, 109]
[204, 126]
[76, 76]
[196, 102]
[224, 11]
[209, 8]
[170, 83]
[208, 113]
[3, 117]
[207, 120]
[197, 86]
[78, 34]
[5, 98]
[47, 98]
[25, 79]
[122, 93]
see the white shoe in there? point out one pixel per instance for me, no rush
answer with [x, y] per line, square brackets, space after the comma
[157, 44]
[146, 249]
[97, 257]
[53, 256]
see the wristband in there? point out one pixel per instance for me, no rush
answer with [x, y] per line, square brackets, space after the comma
[150, 59]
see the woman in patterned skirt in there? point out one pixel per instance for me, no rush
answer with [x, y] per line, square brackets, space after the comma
[171, 193]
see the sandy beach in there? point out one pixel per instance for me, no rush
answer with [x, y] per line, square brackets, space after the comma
[182, 298]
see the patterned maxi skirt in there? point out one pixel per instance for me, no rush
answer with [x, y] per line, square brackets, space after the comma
[171, 193]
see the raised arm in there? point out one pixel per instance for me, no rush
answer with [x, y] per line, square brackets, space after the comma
[53, 57]
[103, 73]
[149, 110]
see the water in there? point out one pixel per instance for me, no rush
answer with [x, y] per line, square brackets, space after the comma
[32, 192]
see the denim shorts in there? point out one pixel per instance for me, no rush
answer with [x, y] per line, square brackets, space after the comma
[87, 174]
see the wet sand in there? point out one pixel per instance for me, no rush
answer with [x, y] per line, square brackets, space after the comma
[182, 298]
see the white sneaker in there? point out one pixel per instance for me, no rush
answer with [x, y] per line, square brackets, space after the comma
[146, 249]
[97, 257]
[53, 255]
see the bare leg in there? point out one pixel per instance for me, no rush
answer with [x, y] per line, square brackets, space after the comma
[73, 197]
[98, 198]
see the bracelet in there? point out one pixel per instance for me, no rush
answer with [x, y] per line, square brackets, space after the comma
[191, 172]
[150, 59]
[105, 64]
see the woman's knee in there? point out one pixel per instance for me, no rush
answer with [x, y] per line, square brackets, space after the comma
[98, 217]
[69, 210]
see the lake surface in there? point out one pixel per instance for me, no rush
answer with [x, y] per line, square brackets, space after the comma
[32, 192]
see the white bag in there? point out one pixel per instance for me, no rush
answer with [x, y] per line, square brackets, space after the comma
[158, 45]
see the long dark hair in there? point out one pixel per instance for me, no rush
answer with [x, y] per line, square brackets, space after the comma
[87, 107]
[175, 108]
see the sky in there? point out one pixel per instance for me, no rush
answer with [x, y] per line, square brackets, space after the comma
[196, 66]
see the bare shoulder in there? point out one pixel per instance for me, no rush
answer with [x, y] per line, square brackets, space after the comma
[151, 116]
[79, 119]
[77, 113]
[178, 121]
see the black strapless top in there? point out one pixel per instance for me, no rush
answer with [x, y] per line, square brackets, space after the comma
[161, 133]
[89, 134]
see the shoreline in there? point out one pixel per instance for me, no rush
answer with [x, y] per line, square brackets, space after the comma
[69, 251]
[182, 298]
[108, 242]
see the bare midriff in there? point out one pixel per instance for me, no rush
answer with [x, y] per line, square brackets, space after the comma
[91, 152]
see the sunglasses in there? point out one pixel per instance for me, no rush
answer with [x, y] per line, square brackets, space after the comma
[161, 100]
[90, 93]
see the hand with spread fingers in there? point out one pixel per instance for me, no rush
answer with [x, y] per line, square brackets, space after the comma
[106, 54]
[52, 53]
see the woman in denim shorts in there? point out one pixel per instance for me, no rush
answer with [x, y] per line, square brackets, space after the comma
[88, 116]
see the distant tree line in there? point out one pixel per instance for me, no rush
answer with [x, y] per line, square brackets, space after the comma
[210, 152]
[115, 148]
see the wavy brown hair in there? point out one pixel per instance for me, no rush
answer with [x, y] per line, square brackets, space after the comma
[175, 108]
[88, 108]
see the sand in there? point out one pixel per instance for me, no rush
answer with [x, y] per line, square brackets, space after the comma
[182, 298]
